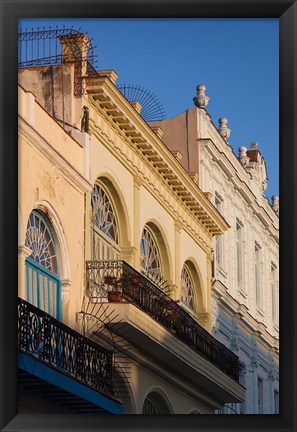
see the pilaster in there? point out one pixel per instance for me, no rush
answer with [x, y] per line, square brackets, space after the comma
[254, 376]
[65, 290]
[177, 267]
[234, 341]
[204, 319]
[84, 139]
[210, 258]
[128, 254]
[89, 253]
[136, 233]
[23, 253]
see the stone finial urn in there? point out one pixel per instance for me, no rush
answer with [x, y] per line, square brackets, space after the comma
[224, 131]
[243, 158]
[275, 203]
[201, 100]
[254, 145]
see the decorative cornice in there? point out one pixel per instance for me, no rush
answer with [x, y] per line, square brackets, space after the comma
[145, 142]
[236, 175]
[156, 185]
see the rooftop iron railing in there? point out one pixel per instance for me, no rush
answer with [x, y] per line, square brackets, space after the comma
[118, 277]
[58, 346]
[42, 46]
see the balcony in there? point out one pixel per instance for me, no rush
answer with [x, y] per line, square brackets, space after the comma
[59, 355]
[119, 278]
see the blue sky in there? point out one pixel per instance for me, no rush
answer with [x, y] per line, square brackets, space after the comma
[236, 59]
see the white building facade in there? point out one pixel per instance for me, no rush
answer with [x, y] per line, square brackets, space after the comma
[245, 286]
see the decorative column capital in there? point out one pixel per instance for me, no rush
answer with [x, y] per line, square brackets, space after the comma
[137, 181]
[234, 343]
[204, 319]
[254, 361]
[128, 254]
[65, 290]
[178, 226]
[174, 292]
[24, 251]
[271, 374]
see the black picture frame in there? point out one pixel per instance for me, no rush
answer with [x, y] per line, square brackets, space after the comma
[286, 11]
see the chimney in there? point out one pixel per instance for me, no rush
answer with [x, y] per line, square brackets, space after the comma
[75, 50]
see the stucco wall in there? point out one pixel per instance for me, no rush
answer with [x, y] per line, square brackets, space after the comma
[44, 185]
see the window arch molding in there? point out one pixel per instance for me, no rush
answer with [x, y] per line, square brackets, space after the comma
[124, 390]
[57, 232]
[115, 195]
[42, 242]
[199, 292]
[104, 214]
[193, 411]
[188, 291]
[47, 260]
[159, 235]
[157, 398]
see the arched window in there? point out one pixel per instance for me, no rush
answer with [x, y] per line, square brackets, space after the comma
[105, 225]
[42, 273]
[150, 261]
[104, 217]
[187, 296]
[155, 404]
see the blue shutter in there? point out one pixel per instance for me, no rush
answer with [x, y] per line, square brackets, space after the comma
[43, 288]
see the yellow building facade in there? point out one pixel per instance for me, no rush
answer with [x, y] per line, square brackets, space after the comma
[105, 207]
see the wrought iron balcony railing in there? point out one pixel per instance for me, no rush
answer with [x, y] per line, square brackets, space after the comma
[58, 346]
[118, 276]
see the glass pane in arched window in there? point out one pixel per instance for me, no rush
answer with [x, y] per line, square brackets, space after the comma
[150, 259]
[187, 288]
[40, 241]
[156, 404]
[150, 407]
[103, 212]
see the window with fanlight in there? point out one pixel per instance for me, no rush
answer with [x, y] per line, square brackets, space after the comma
[105, 225]
[150, 260]
[155, 403]
[42, 272]
[187, 296]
